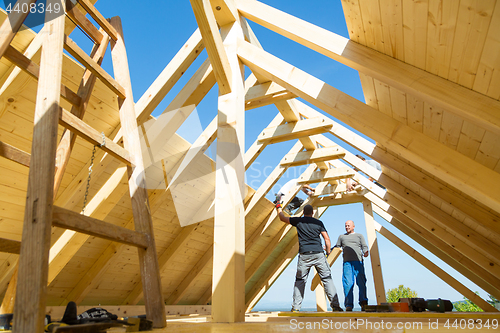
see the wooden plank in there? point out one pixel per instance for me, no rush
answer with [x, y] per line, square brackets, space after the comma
[265, 94]
[374, 253]
[79, 127]
[331, 174]
[90, 64]
[313, 156]
[148, 259]
[225, 11]
[169, 76]
[414, 29]
[391, 14]
[33, 263]
[68, 219]
[464, 102]
[332, 257]
[78, 17]
[33, 70]
[338, 199]
[12, 24]
[9, 297]
[487, 79]
[228, 277]
[97, 16]
[320, 297]
[372, 24]
[213, 43]
[14, 154]
[452, 282]
[450, 166]
[352, 13]
[299, 129]
[10, 246]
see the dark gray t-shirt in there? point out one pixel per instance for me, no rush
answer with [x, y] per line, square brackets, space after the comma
[353, 246]
[308, 231]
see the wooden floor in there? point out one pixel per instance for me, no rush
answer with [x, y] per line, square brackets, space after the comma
[341, 322]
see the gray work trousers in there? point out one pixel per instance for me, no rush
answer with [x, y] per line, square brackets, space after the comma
[306, 261]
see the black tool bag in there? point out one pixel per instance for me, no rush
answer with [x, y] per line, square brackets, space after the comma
[96, 315]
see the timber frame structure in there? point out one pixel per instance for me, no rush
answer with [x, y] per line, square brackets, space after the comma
[430, 76]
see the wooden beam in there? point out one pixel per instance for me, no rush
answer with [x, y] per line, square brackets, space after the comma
[257, 147]
[78, 17]
[148, 259]
[12, 24]
[332, 257]
[10, 246]
[94, 67]
[79, 127]
[228, 278]
[433, 157]
[97, 16]
[325, 188]
[33, 70]
[225, 11]
[329, 175]
[452, 282]
[169, 76]
[299, 129]
[33, 263]
[338, 199]
[265, 94]
[14, 154]
[68, 219]
[213, 44]
[320, 296]
[374, 253]
[313, 156]
[473, 106]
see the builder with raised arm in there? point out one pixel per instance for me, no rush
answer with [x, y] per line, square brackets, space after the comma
[354, 248]
[311, 254]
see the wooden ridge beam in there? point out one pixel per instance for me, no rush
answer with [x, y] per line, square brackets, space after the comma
[426, 153]
[97, 16]
[473, 106]
[213, 43]
[28, 66]
[86, 132]
[10, 246]
[14, 154]
[265, 94]
[64, 218]
[452, 282]
[329, 175]
[78, 17]
[313, 156]
[94, 67]
[296, 130]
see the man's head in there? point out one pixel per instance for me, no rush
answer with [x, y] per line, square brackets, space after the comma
[308, 210]
[349, 226]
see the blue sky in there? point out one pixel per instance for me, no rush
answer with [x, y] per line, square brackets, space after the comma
[155, 30]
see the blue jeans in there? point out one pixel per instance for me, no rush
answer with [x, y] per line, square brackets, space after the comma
[353, 270]
[306, 261]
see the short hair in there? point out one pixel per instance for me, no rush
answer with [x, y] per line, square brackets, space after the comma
[308, 210]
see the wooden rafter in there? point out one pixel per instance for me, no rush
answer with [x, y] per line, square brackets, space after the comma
[295, 130]
[313, 156]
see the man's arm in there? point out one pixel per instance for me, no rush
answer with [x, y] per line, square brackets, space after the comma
[307, 189]
[328, 245]
[282, 215]
[364, 247]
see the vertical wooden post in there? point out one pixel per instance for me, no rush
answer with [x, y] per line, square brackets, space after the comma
[29, 309]
[148, 258]
[228, 284]
[374, 254]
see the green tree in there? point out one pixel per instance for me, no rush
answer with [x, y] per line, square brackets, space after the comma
[467, 305]
[493, 300]
[393, 295]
